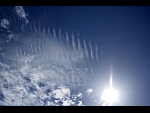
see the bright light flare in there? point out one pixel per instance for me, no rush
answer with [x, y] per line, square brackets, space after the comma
[109, 95]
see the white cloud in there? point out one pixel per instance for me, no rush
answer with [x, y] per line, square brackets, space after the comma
[80, 95]
[61, 93]
[21, 13]
[68, 102]
[5, 23]
[89, 91]
[80, 103]
[51, 64]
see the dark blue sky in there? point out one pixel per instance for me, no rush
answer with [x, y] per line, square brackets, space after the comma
[124, 34]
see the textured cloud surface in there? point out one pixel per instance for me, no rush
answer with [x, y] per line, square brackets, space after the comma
[38, 68]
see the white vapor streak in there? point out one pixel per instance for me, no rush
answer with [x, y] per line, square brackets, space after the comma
[44, 30]
[49, 33]
[86, 51]
[32, 50]
[73, 41]
[102, 53]
[96, 50]
[60, 33]
[91, 50]
[54, 33]
[35, 28]
[35, 50]
[67, 38]
[79, 45]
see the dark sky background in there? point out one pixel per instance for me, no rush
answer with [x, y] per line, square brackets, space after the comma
[124, 34]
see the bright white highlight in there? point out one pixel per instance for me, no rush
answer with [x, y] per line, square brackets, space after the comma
[110, 95]
[89, 91]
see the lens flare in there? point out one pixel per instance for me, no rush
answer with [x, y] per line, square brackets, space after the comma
[109, 95]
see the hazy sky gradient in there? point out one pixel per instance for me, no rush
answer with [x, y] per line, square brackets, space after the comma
[123, 33]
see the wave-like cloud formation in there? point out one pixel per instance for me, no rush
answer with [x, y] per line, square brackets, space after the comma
[38, 67]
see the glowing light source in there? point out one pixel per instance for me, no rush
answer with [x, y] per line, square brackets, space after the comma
[109, 95]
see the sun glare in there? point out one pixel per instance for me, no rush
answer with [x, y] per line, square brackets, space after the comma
[109, 95]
